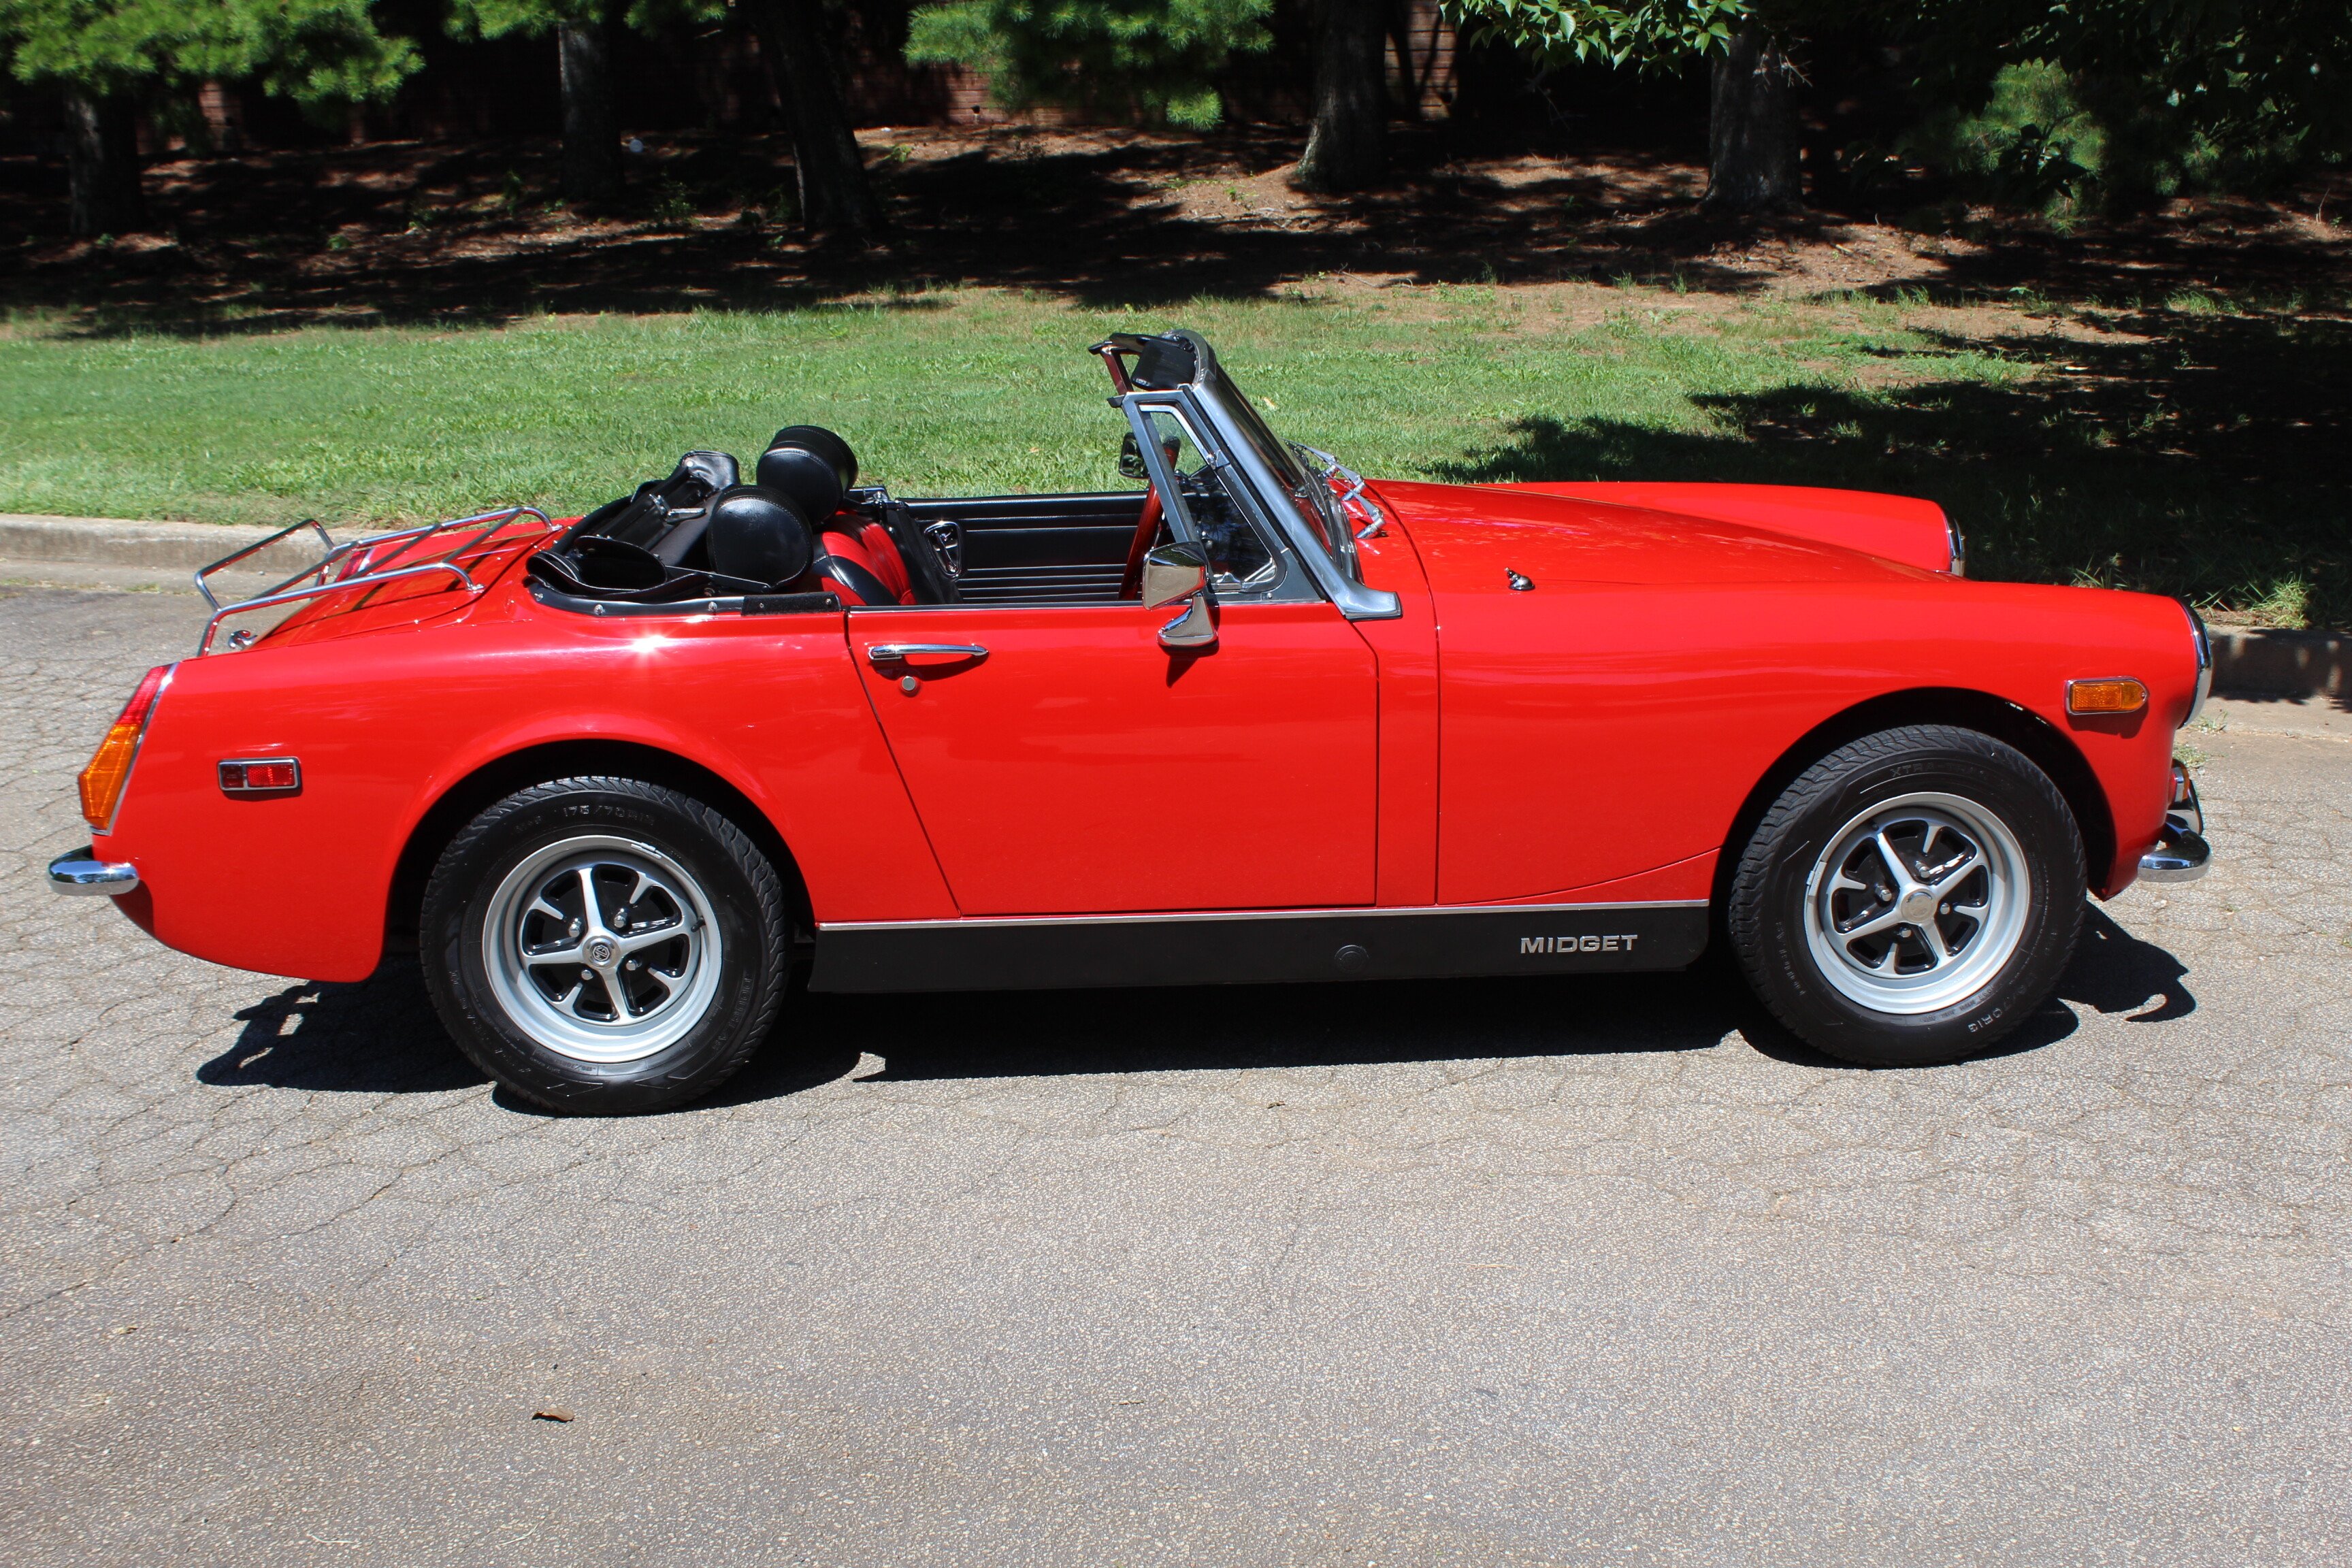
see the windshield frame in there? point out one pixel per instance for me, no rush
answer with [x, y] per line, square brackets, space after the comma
[1141, 408]
[1300, 503]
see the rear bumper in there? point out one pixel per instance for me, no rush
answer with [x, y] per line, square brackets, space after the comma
[81, 872]
[2180, 853]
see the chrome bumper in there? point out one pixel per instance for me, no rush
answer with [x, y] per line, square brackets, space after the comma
[78, 873]
[2180, 853]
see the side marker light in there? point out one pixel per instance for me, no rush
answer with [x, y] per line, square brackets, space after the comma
[2120, 695]
[261, 775]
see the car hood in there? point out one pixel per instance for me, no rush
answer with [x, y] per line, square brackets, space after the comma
[1471, 538]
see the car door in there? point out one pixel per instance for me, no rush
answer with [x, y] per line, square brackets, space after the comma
[1067, 764]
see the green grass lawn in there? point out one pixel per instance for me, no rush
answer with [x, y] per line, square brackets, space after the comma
[2187, 449]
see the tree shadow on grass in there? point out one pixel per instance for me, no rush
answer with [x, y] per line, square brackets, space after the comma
[423, 232]
[2200, 461]
[471, 232]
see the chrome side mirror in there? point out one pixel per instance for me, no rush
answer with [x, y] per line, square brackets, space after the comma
[1179, 574]
[1173, 573]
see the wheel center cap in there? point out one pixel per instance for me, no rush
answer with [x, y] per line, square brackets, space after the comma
[600, 951]
[1919, 905]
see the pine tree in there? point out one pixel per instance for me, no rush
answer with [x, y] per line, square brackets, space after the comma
[107, 58]
[1349, 146]
[1160, 57]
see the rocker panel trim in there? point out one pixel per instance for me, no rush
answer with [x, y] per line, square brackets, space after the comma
[1262, 948]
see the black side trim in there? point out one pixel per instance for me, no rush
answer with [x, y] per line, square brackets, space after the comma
[788, 604]
[1255, 950]
[1065, 507]
[723, 604]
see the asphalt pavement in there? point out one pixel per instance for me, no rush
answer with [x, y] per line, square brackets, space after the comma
[1491, 1273]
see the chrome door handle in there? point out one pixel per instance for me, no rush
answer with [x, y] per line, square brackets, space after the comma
[883, 653]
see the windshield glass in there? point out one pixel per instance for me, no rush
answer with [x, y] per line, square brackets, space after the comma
[1238, 558]
[1302, 475]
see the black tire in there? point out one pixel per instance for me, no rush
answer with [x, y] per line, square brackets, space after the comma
[1789, 939]
[728, 940]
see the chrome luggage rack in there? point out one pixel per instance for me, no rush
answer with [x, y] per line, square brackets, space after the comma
[361, 563]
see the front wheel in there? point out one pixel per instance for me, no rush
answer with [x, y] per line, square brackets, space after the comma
[1911, 897]
[604, 945]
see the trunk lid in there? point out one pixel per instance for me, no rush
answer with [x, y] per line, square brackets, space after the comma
[382, 583]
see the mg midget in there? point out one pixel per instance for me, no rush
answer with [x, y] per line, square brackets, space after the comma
[623, 783]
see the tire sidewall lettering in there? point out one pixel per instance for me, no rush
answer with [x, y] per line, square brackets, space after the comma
[745, 907]
[1769, 893]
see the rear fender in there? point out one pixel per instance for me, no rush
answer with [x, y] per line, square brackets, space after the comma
[393, 747]
[597, 757]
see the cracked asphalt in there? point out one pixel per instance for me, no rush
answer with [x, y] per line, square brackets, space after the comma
[1535, 1272]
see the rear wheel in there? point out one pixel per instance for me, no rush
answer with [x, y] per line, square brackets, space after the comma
[604, 945]
[1911, 897]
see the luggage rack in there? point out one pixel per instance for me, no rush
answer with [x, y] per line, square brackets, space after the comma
[361, 564]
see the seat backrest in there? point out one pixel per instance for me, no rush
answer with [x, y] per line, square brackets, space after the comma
[857, 562]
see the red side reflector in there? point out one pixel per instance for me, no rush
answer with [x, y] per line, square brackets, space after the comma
[2122, 695]
[110, 766]
[261, 775]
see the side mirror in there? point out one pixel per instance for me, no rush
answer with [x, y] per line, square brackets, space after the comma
[1179, 574]
[1173, 573]
[1131, 460]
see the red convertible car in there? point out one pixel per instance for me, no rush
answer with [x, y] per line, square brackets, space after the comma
[621, 781]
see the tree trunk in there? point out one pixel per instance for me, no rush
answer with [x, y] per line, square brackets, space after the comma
[1400, 34]
[102, 165]
[832, 175]
[592, 135]
[1751, 131]
[1350, 145]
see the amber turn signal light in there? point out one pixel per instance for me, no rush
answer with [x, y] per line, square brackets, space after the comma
[2122, 695]
[109, 768]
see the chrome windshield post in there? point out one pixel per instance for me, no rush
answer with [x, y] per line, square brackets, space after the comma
[1257, 456]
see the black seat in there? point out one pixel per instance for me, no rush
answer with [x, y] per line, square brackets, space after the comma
[817, 469]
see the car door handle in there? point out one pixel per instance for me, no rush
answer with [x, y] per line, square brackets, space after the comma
[883, 653]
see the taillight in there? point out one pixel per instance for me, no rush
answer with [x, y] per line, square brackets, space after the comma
[110, 769]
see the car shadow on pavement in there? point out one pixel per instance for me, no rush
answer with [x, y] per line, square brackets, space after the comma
[377, 1037]
[2116, 972]
[2112, 972]
[380, 1035]
[1209, 1027]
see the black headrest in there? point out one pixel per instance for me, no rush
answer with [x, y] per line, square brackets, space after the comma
[825, 445]
[805, 476]
[761, 533]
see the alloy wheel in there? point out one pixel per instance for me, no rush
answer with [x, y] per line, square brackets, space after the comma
[1916, 903]
[603, 948]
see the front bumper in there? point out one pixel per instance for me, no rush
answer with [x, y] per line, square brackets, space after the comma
[2180, 853]
[81, 872]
